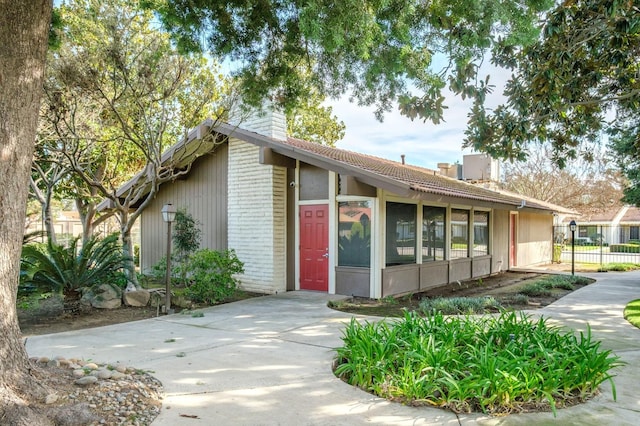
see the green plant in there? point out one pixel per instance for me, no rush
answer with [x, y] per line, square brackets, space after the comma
[213, 275]
[459, 305]
[619, 267]
[389, 300]
[493, 364]
[632, 312]
[58, 269]
[186, 240]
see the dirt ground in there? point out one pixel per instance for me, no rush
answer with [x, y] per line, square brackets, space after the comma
[502, 287]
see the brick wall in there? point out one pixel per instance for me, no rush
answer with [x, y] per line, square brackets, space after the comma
[257, 211]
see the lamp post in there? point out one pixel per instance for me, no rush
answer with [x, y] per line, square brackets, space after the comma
[572, 227]
[168, 215]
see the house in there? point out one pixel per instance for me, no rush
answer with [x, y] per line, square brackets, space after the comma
[618, 225]
[306, 216]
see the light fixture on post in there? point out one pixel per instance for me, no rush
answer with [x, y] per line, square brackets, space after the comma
[572, 228]
[168, 215]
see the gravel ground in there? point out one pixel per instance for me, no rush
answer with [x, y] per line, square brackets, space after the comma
[87, 393]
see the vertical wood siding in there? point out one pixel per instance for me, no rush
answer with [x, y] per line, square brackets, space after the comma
[203, 194]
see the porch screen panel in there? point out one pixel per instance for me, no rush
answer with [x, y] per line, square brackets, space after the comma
[480, 233]
[354, 233]
[433, 233]
[401, 234]
[459, 233]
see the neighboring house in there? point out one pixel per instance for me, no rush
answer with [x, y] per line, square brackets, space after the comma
[615, 226]
[306, 216]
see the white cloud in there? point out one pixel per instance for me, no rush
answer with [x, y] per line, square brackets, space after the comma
[423, 144]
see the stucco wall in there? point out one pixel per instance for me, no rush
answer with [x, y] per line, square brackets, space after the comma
[535, 238]
[500, 242]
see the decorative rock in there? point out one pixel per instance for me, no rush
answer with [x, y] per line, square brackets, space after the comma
[43, 360]
[136, 297]
[78, 372]
[53, 363]
[91, 366]
[101, 374]
[105, 296]
[116, 375]
[51, 398]
[86, 380]
[121, 368]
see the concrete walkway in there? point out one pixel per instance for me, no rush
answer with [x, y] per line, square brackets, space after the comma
[267, 361]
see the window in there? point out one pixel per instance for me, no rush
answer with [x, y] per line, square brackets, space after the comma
[354, 233]
[480, 233]
[634, 232]
[459, 233]
[401, 233]
[433, 229]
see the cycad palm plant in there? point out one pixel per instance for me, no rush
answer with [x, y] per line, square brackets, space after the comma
[63, 269]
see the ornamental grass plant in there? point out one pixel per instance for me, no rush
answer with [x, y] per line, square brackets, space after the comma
[491, 364]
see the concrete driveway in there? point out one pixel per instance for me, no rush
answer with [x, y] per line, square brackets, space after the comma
[267, 361]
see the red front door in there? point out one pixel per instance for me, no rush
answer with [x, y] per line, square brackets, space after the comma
[314, 247]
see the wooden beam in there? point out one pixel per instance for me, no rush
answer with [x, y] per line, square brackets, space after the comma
[269, 157]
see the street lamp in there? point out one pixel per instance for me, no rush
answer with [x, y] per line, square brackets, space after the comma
[572, 228]
[168, 215]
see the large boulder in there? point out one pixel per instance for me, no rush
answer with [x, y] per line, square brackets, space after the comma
[104, 296]
[136, 298]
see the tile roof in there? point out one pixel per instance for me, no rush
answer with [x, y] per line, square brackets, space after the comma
[419, 179]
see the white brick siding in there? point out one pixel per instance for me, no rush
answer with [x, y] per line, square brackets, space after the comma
[257, 218]
[267, 121]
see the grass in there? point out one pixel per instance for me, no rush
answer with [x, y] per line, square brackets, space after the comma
[491, 364]
[544, 286]
[459, 305]
[619, 267]
[632, 312]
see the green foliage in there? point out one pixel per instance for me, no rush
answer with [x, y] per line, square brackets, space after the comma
[186, 234]
[619, 267]
[186, 240]
[545, 285]
[564, 86]
[624, 248]
[60, 269]
[493, 364]
[632, 312]
[313, 122]
[212, 275]
[378, 52]
[459, 305]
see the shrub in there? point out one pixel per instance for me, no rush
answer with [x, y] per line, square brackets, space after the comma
[624, 248]
[493, 364]
[61, 269]
[459, 305]
[535, 290]
[619, 267]
[212, 275]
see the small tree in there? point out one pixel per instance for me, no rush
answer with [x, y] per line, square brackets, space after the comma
[186, 240]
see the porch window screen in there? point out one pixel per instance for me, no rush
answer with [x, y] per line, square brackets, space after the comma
[459, 233]
[401, 233]
[433, 237]
[480, 233]
[354, 233]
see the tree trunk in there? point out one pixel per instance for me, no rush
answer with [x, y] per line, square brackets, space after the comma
[127, 249]
[48, 217]
[24, 29]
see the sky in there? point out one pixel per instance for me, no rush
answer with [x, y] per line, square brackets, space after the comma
[423, 143]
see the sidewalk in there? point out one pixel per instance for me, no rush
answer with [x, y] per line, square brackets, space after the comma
[267, 361]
